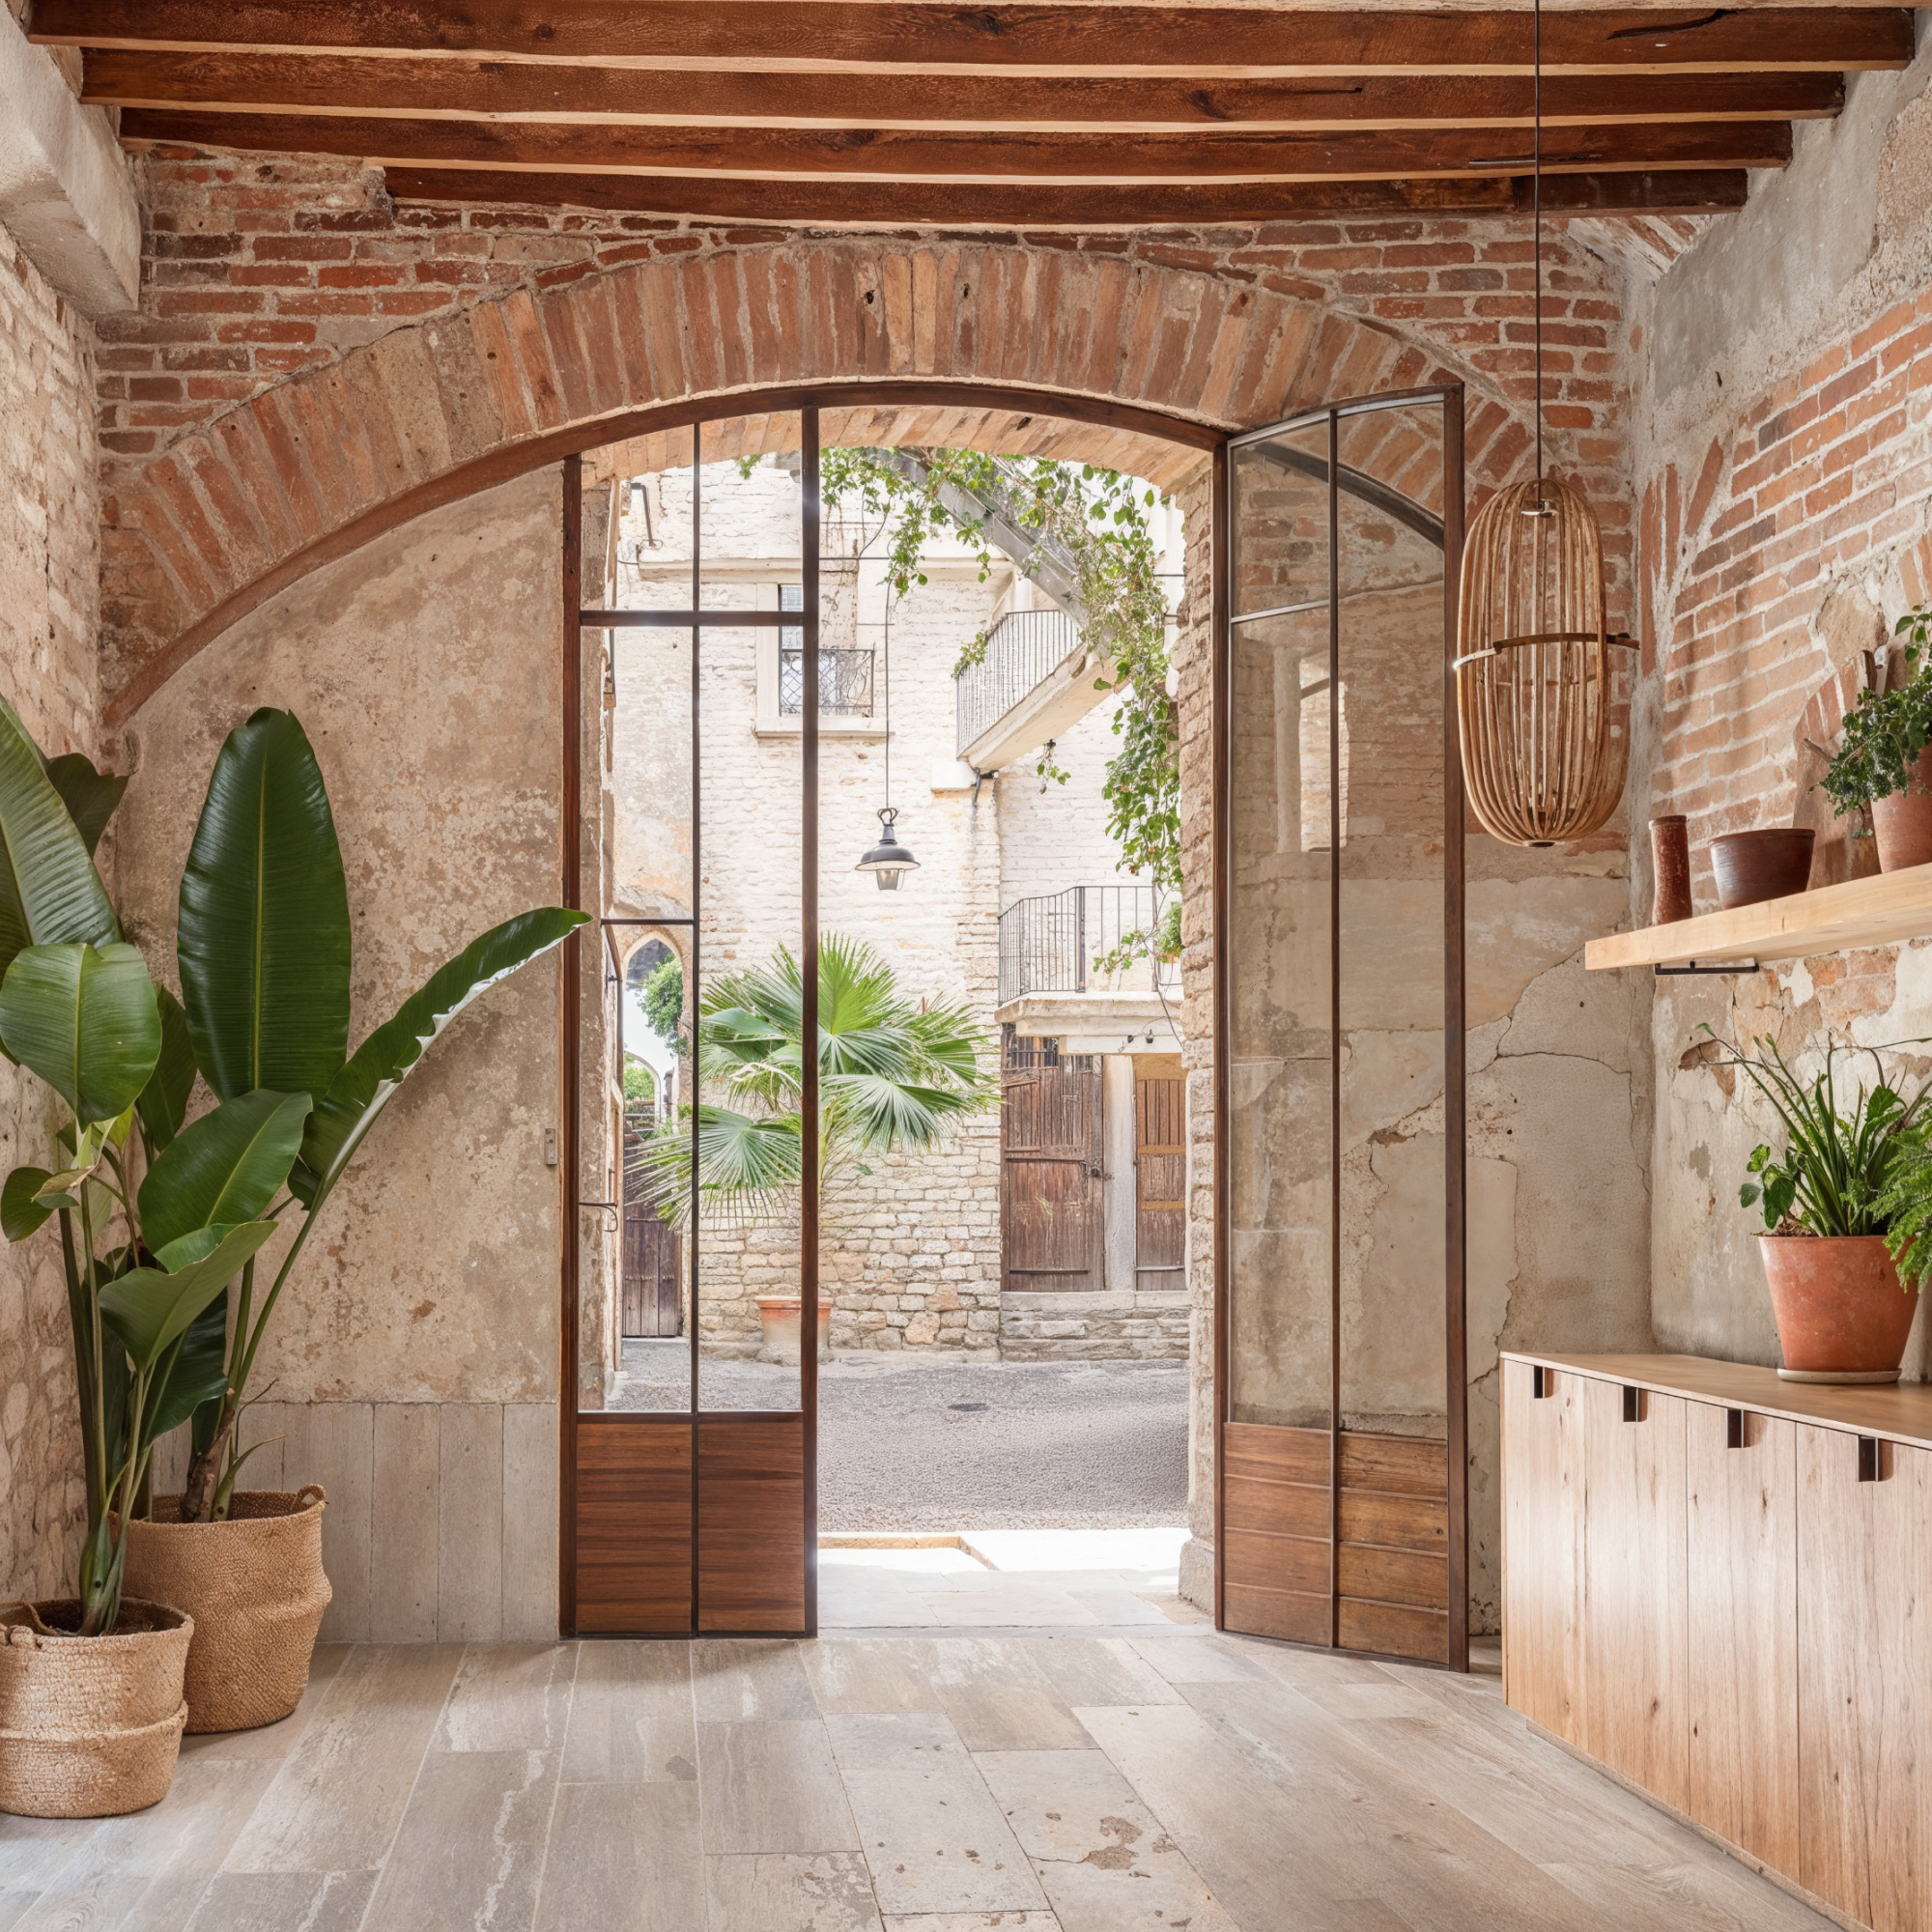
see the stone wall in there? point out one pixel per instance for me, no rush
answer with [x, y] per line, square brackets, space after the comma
[49, 567]
[1785, 449]
[413, 1364]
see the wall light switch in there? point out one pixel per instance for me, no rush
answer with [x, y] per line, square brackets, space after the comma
[550, 1146]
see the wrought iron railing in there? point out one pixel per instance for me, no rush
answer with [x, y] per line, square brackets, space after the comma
[1089, 939]
[1022, 650]
[844, 680]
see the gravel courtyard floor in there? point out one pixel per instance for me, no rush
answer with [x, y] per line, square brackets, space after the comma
[913, 1445]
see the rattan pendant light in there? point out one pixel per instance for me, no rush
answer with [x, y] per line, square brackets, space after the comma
[1544, 754]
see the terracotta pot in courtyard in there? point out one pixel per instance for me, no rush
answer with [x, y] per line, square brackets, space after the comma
[779, 1320]
[1902, 824]
[1842, 1314]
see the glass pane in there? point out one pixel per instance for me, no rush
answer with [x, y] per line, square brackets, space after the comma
[1390, 661]
[1280, 1049]
[1279, 535]
[751, 943]
[653, 538]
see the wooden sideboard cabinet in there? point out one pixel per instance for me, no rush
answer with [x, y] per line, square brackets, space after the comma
[1720, 1585]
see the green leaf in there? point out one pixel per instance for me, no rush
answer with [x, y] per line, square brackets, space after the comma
[84, 1020]
[225, 1168]
[263, 934]
[90, 796]
[149, 1308]
[50, 893]
[163, 1101]
[359, 1093]
[199, 1373]
[20, 1213]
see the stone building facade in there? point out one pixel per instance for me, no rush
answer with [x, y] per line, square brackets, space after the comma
[911, 1253]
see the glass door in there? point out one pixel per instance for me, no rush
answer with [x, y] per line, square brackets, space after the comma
[688, 1492]
[1341, 1458]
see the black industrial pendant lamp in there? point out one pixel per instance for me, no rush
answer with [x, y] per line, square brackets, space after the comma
[888, 861]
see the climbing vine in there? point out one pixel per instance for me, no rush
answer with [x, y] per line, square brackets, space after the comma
[1101, 520]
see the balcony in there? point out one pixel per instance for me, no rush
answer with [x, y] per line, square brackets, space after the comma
[844, 680]
[1085, 966]
[1037, 678]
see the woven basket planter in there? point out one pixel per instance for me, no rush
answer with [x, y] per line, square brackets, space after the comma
[255, 1588]
[89, 1727]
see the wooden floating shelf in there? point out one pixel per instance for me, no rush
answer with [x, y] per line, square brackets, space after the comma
[1861, 912]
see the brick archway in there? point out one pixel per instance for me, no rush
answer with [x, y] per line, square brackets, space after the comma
[236, 507]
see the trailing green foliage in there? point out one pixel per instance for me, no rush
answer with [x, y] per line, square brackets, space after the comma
[664, 1001]
[893, 1073]
[1840, 1171]
[1098, 517]
[157, 1216]
[1884, 735]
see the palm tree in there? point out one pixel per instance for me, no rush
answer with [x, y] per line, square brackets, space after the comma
[893, 1074]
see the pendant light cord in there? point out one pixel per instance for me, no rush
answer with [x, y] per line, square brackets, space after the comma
[889, 697]
[1536, 203]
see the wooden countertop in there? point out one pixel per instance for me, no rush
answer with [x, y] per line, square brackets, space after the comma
[1901, 1412]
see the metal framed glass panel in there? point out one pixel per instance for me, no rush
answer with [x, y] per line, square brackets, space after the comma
[1340, 1181]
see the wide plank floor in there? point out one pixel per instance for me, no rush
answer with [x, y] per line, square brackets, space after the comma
[1143, 1777]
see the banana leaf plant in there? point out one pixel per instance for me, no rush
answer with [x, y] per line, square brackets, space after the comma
[264, 958]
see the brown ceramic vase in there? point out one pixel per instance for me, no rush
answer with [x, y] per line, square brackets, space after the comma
[1670, 867]
[1902, 824]
[1842, 1314]
[1753, 866]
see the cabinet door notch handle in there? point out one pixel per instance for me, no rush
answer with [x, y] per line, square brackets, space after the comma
[1632, 1403]
[1734, 1429]
[1869, 1471]
[1539, 1381]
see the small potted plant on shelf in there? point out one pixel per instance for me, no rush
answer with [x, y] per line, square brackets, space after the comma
[148, 1197]
[1883, 765]
[1842, 1203]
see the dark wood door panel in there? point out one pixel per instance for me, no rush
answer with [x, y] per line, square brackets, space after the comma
[633, 1524]
[1277, 1562]
[1293, 1617]
[1050, 1180]
[751, 1523]
[1412, 1466]
[1392, 1630]
[1393, 1575]
[1403, 1522]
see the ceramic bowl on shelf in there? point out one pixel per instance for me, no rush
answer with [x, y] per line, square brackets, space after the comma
[1751, 866]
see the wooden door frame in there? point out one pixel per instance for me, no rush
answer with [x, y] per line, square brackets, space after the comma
[569, 446]
[1449, 397]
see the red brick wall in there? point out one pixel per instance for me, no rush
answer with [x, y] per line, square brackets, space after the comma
[306, 351]
[1821, 493]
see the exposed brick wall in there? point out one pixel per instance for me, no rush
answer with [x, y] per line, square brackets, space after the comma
[306, 351]
[1760, 568]
[48, 571]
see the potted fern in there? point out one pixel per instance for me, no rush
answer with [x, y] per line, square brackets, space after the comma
[146, 1196]
[1884, 762]
[1842, 1203]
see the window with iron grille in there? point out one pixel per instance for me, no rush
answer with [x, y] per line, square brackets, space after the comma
[844, 676]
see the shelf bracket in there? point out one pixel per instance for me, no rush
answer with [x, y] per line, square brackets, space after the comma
[1690, 969]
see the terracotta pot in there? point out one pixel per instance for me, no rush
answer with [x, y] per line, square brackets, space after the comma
[1842, 1315]
[255, 1588]
[89, 1727]
[778, 1318]
[1753, 866]
[1670, 866]
[1902, 824]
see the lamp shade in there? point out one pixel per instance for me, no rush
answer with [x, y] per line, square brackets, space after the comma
[1545, 744]
[888, 859]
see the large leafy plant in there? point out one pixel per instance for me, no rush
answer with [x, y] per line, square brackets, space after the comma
[158, 1216]
[893, 1073]
[1885, 733]
[1839, 1169]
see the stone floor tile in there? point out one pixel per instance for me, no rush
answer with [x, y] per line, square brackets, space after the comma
[622, 1858]
[930, 1830]
[281, 1901]
[772, 1786]
[790, 1892]
[631, 1716]
[734, 1679]
[509, 1697]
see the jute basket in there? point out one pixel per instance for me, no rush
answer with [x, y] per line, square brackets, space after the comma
[89, 1727]
[255, 1588]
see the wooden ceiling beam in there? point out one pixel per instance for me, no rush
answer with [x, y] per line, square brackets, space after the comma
[891, 155]
[518, 91]
[1197, 44]
[1033, 205]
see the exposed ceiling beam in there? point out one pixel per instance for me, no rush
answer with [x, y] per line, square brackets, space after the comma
[473, 89]
[809, 35]
[887, 157]
[964, 206]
